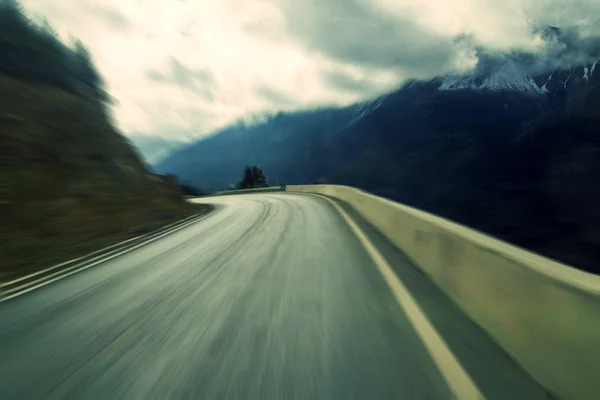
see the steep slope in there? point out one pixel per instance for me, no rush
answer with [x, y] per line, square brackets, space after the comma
[429, 138]
[69, 183]
[541, 192]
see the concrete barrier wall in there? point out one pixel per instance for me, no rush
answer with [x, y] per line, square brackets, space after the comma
[544, 314]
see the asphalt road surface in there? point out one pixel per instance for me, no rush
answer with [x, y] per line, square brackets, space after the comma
[270, 297]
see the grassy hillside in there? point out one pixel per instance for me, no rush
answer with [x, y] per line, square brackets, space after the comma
[69, 183]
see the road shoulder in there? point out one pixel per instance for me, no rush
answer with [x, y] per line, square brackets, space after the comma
[496, 374]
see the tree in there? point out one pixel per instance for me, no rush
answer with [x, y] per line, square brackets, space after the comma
[253, 178]
[48, 29]
[84, 66]
[260, 178]
[34, 52]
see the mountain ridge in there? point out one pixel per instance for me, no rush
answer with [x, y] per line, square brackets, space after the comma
[501, 159]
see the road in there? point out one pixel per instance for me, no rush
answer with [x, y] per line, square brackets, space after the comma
[270, 297]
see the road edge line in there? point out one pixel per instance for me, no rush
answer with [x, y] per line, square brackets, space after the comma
[43, 281]
[83, 257]
[459, 381]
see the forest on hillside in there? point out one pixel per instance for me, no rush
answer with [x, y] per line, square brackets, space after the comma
[33, 52]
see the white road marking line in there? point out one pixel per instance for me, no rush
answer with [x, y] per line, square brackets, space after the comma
[453, 372]
[45, 282]
[164, 228]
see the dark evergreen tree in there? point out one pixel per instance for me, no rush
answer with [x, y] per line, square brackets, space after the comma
[259, 177]
[34, 52]
[253, 178]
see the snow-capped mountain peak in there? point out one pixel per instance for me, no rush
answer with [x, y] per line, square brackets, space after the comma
[566, 60]
[495, 83]
[553, 82]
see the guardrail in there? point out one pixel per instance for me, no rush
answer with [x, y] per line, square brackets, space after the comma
[16, 286]
[546, 315]
[255, 190]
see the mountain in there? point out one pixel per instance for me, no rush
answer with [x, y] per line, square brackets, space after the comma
[69, 182]
[563, 68]
[510, 148]
[288, 147]
[498, 97]
[305, 146]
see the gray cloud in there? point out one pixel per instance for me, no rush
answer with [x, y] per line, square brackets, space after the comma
[275, 97]
[580, 14]
[356, 32]
[113, 17]
[319, 52]
[79, 14]
[341, 81]
[566, 48]
[199, 80]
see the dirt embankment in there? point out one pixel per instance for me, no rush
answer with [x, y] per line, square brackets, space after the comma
[69, 183]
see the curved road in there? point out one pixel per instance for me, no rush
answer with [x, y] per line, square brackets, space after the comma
[270, 297]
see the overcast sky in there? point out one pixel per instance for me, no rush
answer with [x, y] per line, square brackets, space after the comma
[181, 68]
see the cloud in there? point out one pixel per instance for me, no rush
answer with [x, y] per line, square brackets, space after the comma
[275, 97]
[105, 15]
[420, 39]
[357, 33]
[199, 80]
[562, 49]
[112, 16]
[182, 69]
[565, 48]
[342, 81]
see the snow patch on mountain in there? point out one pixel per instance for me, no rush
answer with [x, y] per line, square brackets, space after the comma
[567, 81]
[512, 80]
[594, 66]
[365, 108]
[495, 83]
